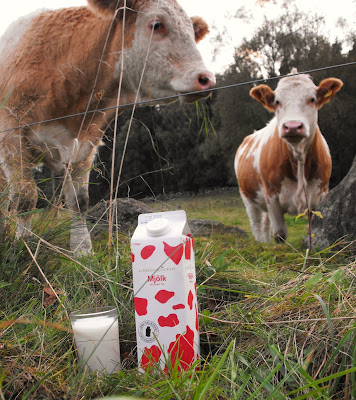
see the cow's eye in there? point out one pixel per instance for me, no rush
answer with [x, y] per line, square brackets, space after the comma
[157, 26]
[277, 103]
[312, 100]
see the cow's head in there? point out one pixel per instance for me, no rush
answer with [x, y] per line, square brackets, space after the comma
[161, 48]
[296, 102]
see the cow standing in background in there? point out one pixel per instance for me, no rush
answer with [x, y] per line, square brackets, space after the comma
[286, 166]
[66, 61]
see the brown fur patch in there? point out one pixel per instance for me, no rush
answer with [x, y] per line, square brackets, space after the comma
[318, 162]
[327, 90]
[64, 77]
[107, 8]
[248, 179]
[264, 95]
[276, 163]
[201, 28]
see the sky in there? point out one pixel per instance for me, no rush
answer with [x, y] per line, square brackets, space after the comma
[218, 16]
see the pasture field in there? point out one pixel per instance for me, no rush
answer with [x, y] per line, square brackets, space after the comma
[274, 324]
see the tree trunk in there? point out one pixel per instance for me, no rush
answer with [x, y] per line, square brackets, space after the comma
[339, 214]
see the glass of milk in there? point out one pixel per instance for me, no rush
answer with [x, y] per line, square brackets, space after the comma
[96, 335]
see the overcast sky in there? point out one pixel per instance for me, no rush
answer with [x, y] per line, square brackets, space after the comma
[217, 14]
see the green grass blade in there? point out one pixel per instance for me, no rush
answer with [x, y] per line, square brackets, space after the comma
[326, 312]
[323, 380]
[353, 374]
[36, 386]
[3, 103]
[266, 381]
[242, 388]
[294, 369]
[274, 393]
[312, 393]
[336, 351]
[202, 395]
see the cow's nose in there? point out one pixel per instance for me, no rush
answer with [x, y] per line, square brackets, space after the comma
[205, 80]
[293, 128]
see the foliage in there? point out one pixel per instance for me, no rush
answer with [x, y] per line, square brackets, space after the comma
[169, 149]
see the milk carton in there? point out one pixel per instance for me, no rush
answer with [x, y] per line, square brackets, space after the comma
[164, 282]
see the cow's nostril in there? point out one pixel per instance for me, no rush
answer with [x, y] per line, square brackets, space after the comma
[293, 128]
[206, 81]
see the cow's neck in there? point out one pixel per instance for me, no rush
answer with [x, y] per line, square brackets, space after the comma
[302, 153]
[299, 151]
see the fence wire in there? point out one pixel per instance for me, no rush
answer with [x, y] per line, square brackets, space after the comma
[160, 99]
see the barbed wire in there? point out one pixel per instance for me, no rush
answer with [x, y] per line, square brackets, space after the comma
[160, 99]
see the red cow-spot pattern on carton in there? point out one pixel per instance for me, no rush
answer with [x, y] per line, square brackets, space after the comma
[165, 291]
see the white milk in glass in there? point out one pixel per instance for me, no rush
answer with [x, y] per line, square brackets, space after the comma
[96, 334]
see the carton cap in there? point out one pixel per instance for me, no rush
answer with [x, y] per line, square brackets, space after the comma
[157, 227]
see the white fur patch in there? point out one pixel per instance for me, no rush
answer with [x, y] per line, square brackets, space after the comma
[261, 137]
[59, 146]
[259, 219]
[295, 202]
[276, 216]
[13, 34]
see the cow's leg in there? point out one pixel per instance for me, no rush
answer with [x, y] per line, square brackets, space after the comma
[276, 215]
[16, 166]
[25, 199]
[257, 220]
[77, 198]
[17, 178]
[4, 201]
[266, 228]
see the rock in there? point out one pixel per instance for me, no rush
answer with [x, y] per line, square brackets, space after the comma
[207, 227]
[339, 214]
[127, 210]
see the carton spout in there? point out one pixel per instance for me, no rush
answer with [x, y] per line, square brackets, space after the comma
[158, 227]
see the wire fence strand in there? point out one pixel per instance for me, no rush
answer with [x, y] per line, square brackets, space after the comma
[160, 99]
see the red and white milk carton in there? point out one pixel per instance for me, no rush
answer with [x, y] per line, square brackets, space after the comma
[165, 291]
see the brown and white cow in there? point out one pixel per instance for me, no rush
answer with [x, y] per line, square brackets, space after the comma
[285, 167]
[70, 60]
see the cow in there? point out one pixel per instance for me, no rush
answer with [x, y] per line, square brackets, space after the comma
[64, 62]
[285, 167]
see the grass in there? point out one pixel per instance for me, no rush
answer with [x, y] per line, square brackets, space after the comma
[226, 207]
[270, 327]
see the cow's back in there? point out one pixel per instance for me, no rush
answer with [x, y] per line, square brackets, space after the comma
[59, 51]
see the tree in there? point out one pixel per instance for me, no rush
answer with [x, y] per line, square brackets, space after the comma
[173, 149]
[338, 211]
[141, 163]
[191, 148]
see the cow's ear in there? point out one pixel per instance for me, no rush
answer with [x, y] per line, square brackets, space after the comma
[264, 95]
[107, 8]
[201, 28]
[327, 90]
